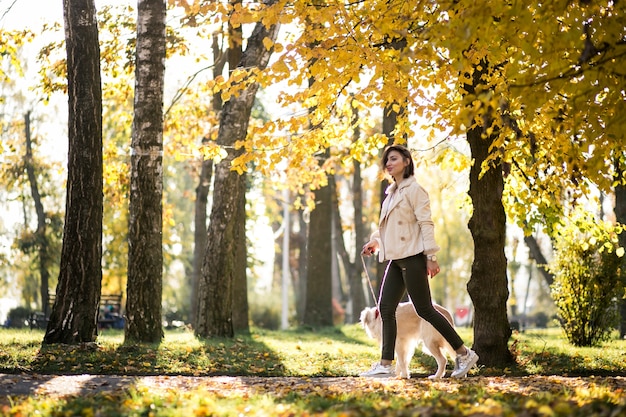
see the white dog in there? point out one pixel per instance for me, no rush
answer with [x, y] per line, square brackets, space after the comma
[412, 330]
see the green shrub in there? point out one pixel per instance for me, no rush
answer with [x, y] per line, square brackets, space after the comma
[18, 317]
[587, 284]
[265, 312]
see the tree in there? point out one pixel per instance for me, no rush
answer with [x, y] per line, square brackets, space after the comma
[215, 292]
[26, 171]
[488, 284]
[537, 255]
[318, 296]
[240, 282]
[74, 314]
[40, 234]
[200, 229]
[202, 190]
[240, 309]
[620, 214]
[360, 238]
[559, 108]
[145, 246]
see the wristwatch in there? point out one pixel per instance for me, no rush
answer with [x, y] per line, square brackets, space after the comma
[432, 258]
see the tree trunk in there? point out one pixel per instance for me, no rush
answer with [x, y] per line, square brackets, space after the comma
[540, 259]
[145, 234]
[200, 230]
[299, 278]
[75, 312]
[318, 309]
[488, 286]
[41, 238]
[390, 118]
[240, 288]
[357, 295]
[215, 292]
[353, 269]
[215, 302]
[620, 216]
[202, 191]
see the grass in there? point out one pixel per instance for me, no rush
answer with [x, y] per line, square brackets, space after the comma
[306, 372]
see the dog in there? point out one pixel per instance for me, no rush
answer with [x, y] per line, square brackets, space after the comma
[412, 330]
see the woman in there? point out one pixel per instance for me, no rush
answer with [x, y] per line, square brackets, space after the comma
[406, 239]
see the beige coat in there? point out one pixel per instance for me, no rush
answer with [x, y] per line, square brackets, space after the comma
[405, 225]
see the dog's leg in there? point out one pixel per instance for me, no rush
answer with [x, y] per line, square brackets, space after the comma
[441, 366]
[441, 361]
[404, 354]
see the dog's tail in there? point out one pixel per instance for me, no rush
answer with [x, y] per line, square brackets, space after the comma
[446, 348]
[444, 312]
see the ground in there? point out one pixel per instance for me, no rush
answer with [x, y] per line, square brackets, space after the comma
[72, 385]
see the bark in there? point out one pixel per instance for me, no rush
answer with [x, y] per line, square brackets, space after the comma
[41, 238]
[339, 251]
[215, 303]
[620, 216]
[540, 259]
[218, 68]
[318, 302]
[202, 191]
[74, 315]
[200, 230]
[357, 294]
[338, 246]
[145, 234]
[240, 287]
[214, 317]
[390, 118]
[299, 276]
[488, 286]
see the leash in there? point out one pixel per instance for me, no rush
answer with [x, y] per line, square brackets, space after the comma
[369, 281]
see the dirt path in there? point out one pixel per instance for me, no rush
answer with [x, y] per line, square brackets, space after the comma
[73, 385]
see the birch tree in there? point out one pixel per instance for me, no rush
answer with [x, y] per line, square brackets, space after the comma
[41, 237]
[215, 295]
[145, 248]
[75, 312]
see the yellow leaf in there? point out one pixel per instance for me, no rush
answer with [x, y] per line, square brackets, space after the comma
[268, 43]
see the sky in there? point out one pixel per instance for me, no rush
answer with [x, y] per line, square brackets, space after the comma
[16, 14]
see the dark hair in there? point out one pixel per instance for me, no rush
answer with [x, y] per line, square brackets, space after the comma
[406, 154]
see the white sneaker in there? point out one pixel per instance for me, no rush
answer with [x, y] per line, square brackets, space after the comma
[464, 363]
[379, 370]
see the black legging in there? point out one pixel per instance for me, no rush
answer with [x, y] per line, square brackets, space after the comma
[410, 274]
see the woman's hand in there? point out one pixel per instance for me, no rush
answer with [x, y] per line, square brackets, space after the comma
[432, 267]
[369, 248]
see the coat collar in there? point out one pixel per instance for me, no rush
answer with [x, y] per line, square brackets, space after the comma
[403, 184]
[389, 205]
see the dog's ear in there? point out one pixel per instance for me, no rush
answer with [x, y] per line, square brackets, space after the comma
[363, 318]
[368, 315]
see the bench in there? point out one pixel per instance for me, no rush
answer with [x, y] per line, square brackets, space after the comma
[109, 314]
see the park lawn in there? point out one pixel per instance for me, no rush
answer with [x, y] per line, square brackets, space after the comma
[313, 372]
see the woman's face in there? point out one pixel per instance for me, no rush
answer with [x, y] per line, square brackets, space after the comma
[395, 164]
